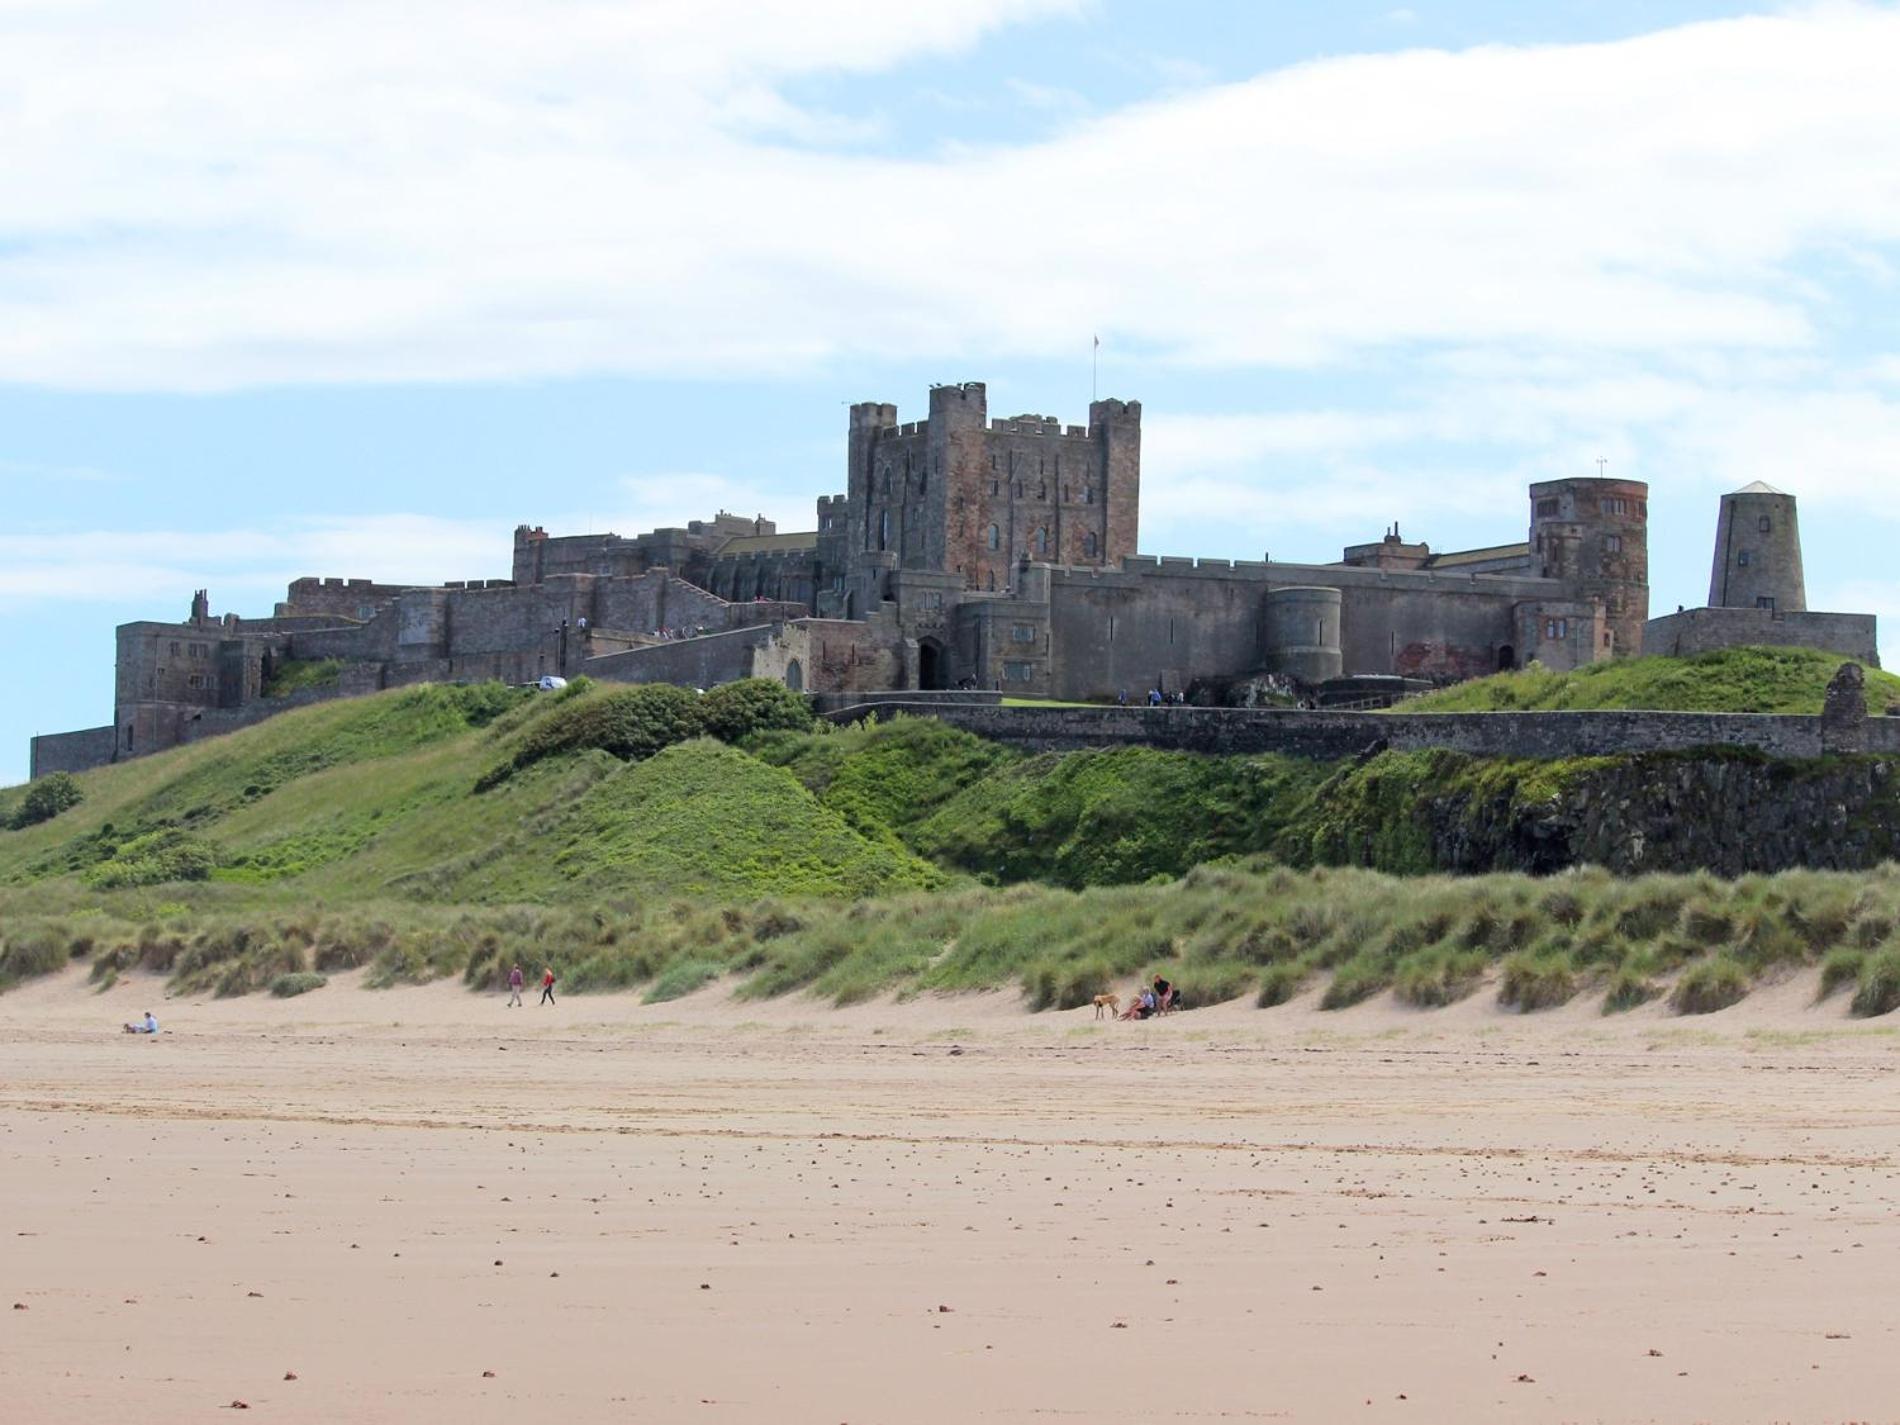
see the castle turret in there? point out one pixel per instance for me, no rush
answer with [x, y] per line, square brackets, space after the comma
[1117, 426]
[1758, 553]
[1594, 534]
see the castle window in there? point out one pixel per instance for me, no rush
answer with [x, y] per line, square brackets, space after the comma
[1744, 559]
[1090, 546]
[1022, 633]
[1042, 491]
[1017, 490]
[883, 529]
[1764, 524]
[1088, 494]
[174, 650]
[1613, 543]
[996, 487]
[1611, 505]
[1556, 628]
[1042, 541]
[992, 581]
[1546, 509]
[995, 537]
[1765, 601]
[1016, 672]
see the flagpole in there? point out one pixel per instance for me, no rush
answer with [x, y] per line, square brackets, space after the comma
[1095, 366]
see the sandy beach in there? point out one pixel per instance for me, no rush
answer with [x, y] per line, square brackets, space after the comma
[419, 1205]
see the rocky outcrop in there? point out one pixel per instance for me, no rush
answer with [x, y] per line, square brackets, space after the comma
[1721, 811]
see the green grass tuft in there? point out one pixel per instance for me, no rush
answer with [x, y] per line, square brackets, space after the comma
[1710, 985]
[1757, 680]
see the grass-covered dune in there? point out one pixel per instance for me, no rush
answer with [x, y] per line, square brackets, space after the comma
[1248, 931]
[1752, 680]
[646, 838]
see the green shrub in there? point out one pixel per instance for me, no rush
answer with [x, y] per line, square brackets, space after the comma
[1841, 968]
[1357, 979]
[1199, 986]
[26, 954]
[734, 711]
[46, 799]
[681, 978]
[631, 723]
[1628, 989]
[297, 982]
[1068, 986]
[1710, 985]
[1430, 978]
[153, 859]
[1280, 983]
[1879, 991]
[1532, 981]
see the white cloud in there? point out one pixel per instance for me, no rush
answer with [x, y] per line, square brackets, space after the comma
[219, 194]
[246, 569]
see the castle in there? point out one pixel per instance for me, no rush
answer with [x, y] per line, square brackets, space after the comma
[972, 552]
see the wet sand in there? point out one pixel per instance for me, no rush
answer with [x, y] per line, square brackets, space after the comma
[942, 1211]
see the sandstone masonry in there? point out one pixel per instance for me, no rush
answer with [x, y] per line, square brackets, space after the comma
[970, 552]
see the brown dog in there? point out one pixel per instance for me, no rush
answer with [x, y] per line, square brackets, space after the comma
[1111, 1003]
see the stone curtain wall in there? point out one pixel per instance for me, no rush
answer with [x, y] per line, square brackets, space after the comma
[73, 751]
[1329, 736]
[1705, 630]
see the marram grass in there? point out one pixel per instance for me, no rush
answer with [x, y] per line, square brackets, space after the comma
[1249, 931]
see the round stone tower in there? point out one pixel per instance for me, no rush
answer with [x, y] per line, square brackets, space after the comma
[1302, 632]
[1594, 535]
[1758, 553]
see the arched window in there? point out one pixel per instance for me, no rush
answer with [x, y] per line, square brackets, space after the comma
[1090, 546]
[1088, 494]
[992, 581]
[995, 537]
[883, 529]
[1042, 541]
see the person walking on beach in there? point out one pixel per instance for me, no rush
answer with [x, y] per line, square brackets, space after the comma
[547, 984]
[514, 986]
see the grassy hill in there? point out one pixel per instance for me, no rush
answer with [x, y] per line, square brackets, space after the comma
[1756, 680]
[442, 831]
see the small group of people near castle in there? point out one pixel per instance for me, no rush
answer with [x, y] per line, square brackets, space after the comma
[1157, 998]
[1156, 698]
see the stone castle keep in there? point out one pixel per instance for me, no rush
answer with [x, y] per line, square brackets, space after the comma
[972, 552]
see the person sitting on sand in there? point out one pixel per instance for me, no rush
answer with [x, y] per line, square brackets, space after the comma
[1141, 1006]
[147, 1025]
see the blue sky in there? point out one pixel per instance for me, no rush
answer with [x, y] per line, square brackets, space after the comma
[291, 288]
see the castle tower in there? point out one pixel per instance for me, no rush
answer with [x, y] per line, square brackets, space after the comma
[1594, 534]
[1758, 553]
[1116, 425]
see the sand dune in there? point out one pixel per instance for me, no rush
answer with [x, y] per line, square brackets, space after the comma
[946, 1210]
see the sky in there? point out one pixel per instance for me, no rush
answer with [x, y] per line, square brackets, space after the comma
[352, 289]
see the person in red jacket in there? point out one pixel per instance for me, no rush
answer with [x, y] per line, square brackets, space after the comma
[547, 985]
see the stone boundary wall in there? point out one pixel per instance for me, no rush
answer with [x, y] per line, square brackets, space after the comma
[72, 751]
[1329, 736]
[701, 662]
[912, 701]
[1692, 631]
